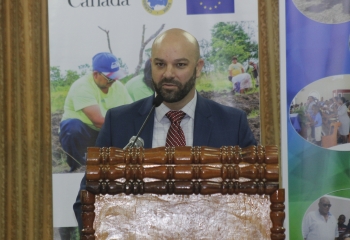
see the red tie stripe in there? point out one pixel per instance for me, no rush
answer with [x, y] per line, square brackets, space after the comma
[176, 136]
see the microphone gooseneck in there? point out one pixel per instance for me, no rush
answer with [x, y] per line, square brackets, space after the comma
[156, 102]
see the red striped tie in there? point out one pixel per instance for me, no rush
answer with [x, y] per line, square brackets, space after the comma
[176, 136]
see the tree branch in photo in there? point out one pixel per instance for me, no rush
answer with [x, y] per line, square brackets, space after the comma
[109, 43]
[143, 45]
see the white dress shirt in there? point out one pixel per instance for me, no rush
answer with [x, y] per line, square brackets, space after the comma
[315, 227]
[162, 123]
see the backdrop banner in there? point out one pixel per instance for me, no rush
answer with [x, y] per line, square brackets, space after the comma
[318, 94]
[81, 29]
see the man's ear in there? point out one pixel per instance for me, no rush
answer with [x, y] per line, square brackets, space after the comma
[95, 74]
[199, 67]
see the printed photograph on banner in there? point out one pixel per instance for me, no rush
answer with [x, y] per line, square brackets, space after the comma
[325, 11]
[332, 208]
[81, 98]
[320, 113]
[100, 59]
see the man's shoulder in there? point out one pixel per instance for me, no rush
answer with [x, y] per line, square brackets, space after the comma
[312, 214]
[134, 80]
[81, 88]
[83, 79]
[218, 107]
[316, 213]
[81, 83]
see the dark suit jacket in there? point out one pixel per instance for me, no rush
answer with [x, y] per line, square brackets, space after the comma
[215, 125]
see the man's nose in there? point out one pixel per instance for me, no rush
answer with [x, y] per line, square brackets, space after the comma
[169, 71]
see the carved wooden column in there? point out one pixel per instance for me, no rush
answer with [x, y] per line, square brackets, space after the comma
[88, 215]
[277, 215]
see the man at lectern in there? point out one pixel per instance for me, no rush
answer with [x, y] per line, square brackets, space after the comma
[176, 64]
[183, 117]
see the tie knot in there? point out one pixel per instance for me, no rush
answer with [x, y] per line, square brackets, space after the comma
[175, 116]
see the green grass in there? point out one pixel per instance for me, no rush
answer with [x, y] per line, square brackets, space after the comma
[253, 114]
[58, 96]
[218, 82]
[254, 89]
[213, 82]
[59, 164]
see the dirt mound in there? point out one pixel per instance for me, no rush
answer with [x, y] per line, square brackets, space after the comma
[57, 151]
[246, 102]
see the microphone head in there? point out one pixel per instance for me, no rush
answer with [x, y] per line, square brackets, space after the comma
[158, 100]
[139, 142]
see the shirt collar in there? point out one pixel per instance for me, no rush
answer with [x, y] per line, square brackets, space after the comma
[189, 109]
[329, 214]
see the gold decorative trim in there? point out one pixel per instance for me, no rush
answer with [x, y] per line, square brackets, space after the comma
[25, 142]
[269, 72]
[25, 129]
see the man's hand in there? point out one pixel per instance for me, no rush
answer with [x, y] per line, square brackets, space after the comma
[94, 114]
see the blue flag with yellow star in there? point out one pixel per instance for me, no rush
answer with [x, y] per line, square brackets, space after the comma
[210, 6]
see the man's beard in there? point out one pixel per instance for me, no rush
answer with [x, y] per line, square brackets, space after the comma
[172, 96]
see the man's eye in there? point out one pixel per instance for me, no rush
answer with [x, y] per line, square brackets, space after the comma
[181, 64]
[160, 64]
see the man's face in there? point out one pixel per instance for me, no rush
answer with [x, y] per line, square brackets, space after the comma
[323, 206]
[341, 219]
[174, 70]
[173, 90]
[102, 81]
[234, 61]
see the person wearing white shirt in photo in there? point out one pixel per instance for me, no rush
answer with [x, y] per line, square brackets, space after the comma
[321, 224]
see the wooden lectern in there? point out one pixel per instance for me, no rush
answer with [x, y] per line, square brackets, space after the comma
[183, 192]
[330, 140]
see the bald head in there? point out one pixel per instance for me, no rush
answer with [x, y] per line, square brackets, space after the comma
[324, 205]
[178, 37]
[324, 200]
[175, 67]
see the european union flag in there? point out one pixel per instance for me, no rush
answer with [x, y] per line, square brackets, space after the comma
[210, 6]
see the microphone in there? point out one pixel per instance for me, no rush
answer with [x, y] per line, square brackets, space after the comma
[156, 102]
[139, 142]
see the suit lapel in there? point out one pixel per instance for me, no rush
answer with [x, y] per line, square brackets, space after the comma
[202, 123]
[147, 132]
